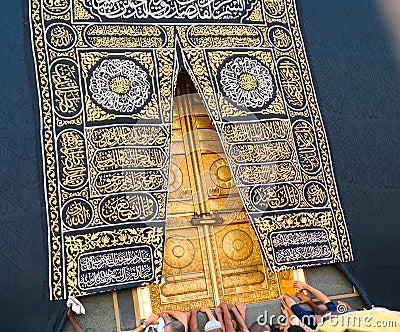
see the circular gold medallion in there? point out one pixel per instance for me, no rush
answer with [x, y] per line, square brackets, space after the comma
[223, 176]
[120, 85]
[179, 252]
[237, 245]
[248, 82]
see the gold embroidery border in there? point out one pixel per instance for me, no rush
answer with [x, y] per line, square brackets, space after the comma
[49, 160]
[340, 225]
[75, 245]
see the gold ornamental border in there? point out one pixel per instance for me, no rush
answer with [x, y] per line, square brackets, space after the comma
[165, 59]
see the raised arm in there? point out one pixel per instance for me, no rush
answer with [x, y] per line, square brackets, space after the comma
[152, 319]
[193, 323]
[227, 318]
[220, 317]
[239, 317]
[208, 312]
[286, 311]
[70, 315]
[305, 299]
[300, 286]
[287, 301]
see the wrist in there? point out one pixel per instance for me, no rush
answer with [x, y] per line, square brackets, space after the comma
[144, 324]
[149, 321]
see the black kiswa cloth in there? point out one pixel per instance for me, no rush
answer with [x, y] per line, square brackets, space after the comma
[24, 293]
[97, 173]
[355, 67]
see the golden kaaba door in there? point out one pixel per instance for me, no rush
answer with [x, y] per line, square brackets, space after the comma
[211, 254]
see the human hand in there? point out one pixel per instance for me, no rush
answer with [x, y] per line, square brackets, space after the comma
[284, 305]
[204, 309]
[166, 317]
[299, 285]
[242, 308]
[302, 297]
[152, 319]
[218, 311]
[285, 311]
[70, 313]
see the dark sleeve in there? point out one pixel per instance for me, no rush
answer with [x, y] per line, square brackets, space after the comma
[300, 312]
[331, 306]
[306, 317]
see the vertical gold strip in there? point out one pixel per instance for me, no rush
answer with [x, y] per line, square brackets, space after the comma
[116, 311]
[136, 302]
[143, 303]
[196, 160]
[186, 110]
[285, 280]
[211, 264]
[299, 275]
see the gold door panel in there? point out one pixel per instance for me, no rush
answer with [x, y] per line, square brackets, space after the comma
[243, 275]
[185, 268]
[211, 254]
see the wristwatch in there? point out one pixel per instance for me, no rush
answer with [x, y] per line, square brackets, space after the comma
[143, 325]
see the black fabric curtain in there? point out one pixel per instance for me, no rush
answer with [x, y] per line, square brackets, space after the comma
[357, 77]
[24, 293]
[356, 71]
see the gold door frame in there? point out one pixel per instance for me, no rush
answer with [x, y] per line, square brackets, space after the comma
[212, 254]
